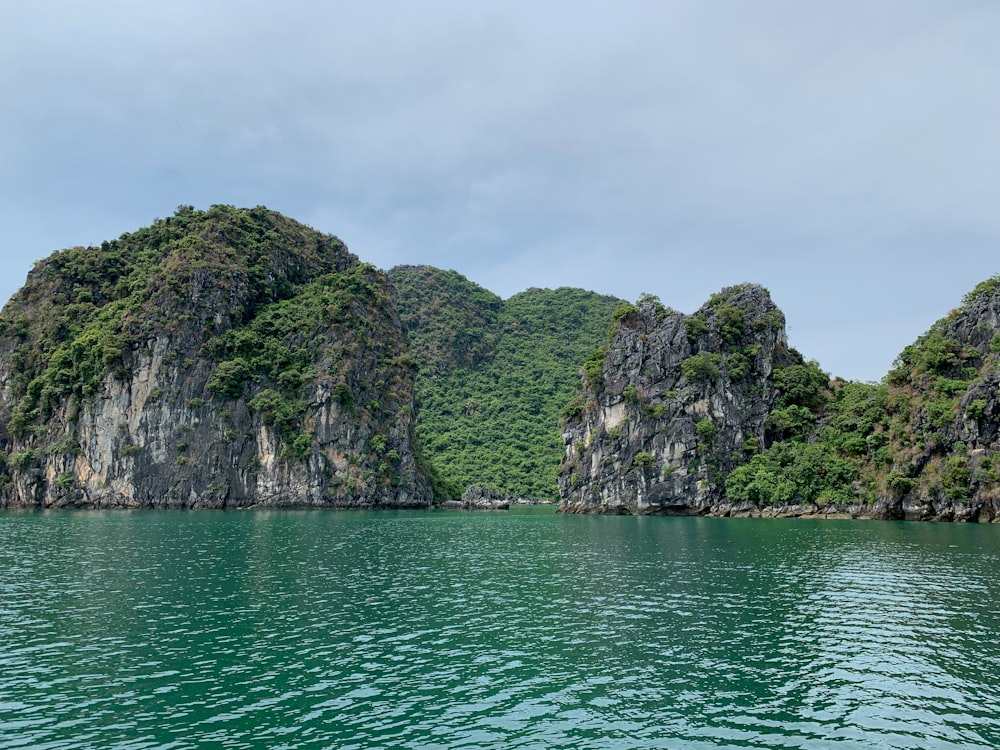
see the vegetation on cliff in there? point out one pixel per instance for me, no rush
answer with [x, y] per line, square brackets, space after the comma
[495, 375]
[672, 403]
[236, 357]
[234, 346]
[920, 444]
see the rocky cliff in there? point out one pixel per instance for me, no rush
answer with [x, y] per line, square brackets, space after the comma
[672, 404]
[712, 413]
[236, 358]
[942, 416]
[226, 358]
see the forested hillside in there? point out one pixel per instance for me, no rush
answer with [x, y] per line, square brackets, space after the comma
[228, 357]
[495, 375]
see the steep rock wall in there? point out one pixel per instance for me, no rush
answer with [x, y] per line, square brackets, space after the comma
[945, 409]
[673, 405]
[713, 414]
[228, 358]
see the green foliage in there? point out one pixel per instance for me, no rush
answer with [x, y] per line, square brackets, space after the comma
[950, 387]
[343, 395]
[623, 313]
[737, 365]
[790, 421]
[574, 408]
[940, 411]
[705, 430]
[68, 445]
[927, 386]
[899, 483]
[230, 378]
[772, 320]
[279, 411]
[816, 459]
[794, 472]
[521, 378]
[255, 297]
[701, 367]
[593, 369]
[721, 297]
[449, 320]
[278, 349]
[896, 438]
[66, 480]
[83, 310]
[731, 320]
[760, 483]
[982, 289]
[279, 344]
[300, 447]
[801, 385]
[377, 443]
[24, 459]
[654, 412]
[985, 473]
[932, 354]
[975, 409]
[662, 311]
[644, 459]
[955, 478]
[695, 326]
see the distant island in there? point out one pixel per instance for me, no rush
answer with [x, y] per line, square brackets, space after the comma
[235, 358]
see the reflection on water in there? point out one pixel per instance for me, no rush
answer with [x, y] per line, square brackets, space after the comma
[457, 630]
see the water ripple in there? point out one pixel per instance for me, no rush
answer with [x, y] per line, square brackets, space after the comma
[450, 630]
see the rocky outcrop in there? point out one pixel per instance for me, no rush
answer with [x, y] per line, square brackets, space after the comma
[480, 497]
[712, 414]
[943, 400]
[229, 358]
[673, 405]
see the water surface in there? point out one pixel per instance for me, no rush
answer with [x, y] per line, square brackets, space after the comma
[522, 630]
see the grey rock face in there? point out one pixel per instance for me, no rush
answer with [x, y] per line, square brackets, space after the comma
[150, 430]
[961, 448]
[160, 439]
[479, 497]
[677, 403]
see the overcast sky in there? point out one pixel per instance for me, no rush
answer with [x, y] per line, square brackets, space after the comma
[846, 155]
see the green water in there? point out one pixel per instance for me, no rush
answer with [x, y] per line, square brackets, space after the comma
[522, 630]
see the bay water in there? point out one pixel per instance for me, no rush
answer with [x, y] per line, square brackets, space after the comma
[519, 630]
